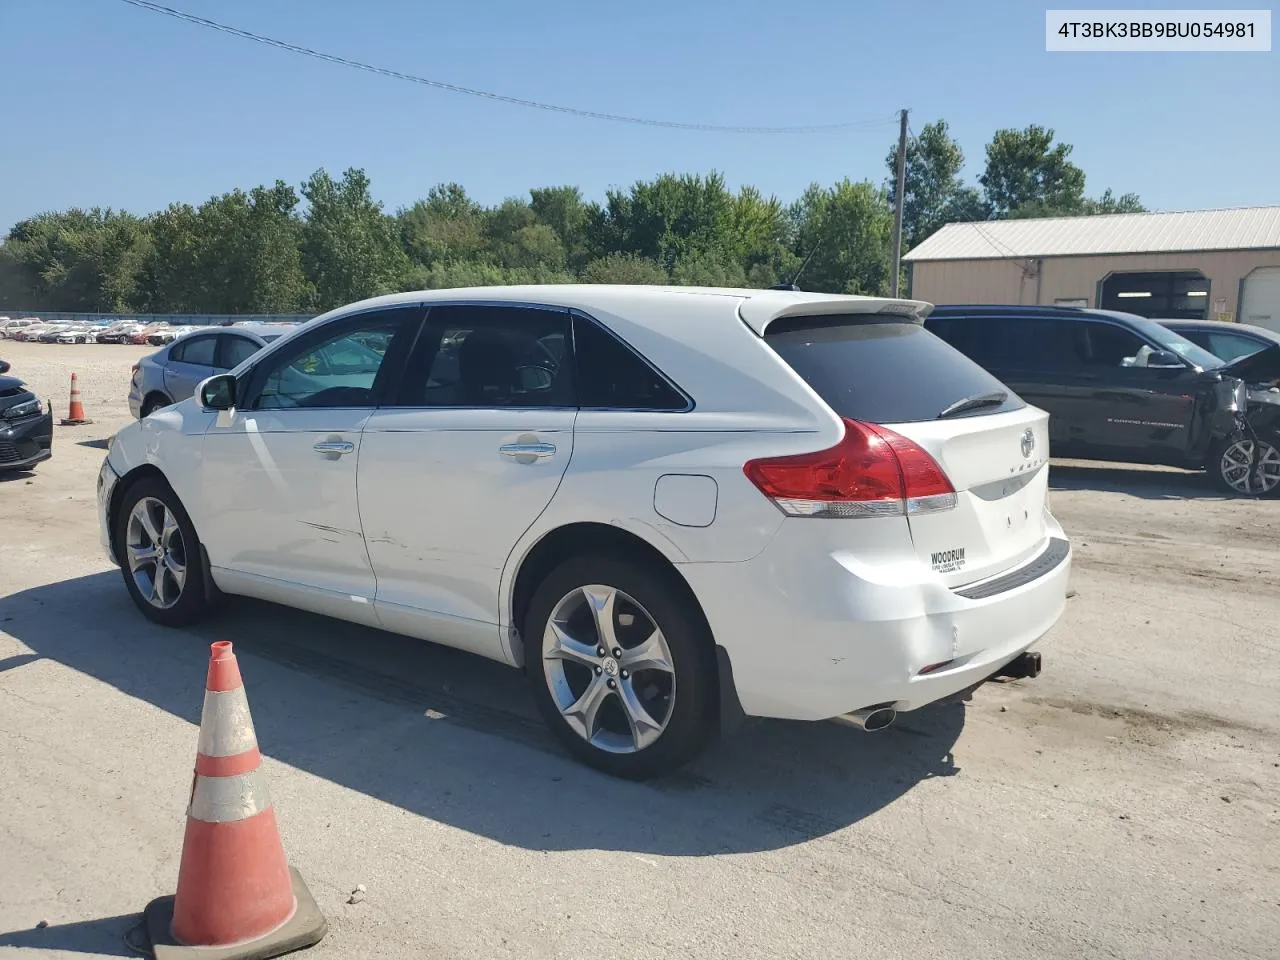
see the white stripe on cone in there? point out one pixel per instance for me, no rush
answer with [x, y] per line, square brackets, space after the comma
[226, 799]
[226, 728]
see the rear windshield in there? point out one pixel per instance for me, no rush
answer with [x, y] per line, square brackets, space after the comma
[882, 370]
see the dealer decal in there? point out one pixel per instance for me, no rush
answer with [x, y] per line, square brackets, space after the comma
[948, 561]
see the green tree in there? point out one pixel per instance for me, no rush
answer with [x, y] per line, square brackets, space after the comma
[563, 210]
[350, 249]
[1109, 203]
[624, 268]
[1027, 171]
[935, 194]
[447, 226]
[78, 259]
[848, 228]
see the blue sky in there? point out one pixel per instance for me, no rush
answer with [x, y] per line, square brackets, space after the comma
[111, 105]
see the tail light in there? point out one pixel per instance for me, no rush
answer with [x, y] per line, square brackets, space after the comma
[871, 472]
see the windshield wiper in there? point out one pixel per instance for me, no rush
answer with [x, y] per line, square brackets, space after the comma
[974, 403]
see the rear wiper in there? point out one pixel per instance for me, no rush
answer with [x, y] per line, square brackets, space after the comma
[974, 403]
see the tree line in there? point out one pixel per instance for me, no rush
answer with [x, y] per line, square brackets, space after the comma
[277, 249]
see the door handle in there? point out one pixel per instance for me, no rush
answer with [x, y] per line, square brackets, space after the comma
[527, 452]
[333, 446]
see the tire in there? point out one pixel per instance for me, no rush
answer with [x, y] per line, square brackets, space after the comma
[676, 701]
[180, 599]
[153, 403]
[1226, 460]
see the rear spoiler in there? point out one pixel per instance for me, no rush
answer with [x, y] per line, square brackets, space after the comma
[758, 312]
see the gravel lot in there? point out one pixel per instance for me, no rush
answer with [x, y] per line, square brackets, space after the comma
[1125, 804]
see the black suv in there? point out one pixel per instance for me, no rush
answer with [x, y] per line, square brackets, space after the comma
[1124, 388]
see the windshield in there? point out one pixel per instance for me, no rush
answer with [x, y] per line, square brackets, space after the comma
[1179, 344]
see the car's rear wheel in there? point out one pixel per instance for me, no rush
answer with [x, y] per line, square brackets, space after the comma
[1246, 466]
[160, 555]
[621, 666]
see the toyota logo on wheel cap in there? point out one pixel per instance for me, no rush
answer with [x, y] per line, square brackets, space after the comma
[1028, 442]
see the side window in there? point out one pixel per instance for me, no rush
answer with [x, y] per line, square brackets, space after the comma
[196, 350]
[338, 370]
[612, 376]
[981, 339]
[1228, 347]
[1106, 345]
[489, 356]
[1046, 344]
[235, 350]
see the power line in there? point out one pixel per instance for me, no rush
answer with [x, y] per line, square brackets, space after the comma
[488, 95]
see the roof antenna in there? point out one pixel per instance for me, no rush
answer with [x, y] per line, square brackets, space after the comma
[791, 284]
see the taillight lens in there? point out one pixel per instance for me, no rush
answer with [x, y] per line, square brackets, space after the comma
[871, 472]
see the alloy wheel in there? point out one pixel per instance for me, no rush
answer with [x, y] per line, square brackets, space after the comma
[609, 669]
[156, 553]
[1246, 475]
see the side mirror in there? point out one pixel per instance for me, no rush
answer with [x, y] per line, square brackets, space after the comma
[1165, 360]
[218, 393]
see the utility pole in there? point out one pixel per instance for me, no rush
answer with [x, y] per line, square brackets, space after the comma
[900, 199]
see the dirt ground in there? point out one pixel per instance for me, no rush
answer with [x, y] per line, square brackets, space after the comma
[1125, 804]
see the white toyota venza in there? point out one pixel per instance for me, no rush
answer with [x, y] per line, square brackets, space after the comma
[670, 506]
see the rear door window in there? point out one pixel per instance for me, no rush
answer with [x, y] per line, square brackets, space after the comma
[882, 370]
[198, 350]
[235, 350]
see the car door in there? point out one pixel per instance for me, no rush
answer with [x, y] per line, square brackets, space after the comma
[461, 463]
[188, 362]
[1136, 412]
[279, 471]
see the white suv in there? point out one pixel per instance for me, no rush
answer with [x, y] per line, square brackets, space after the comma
[671, 506]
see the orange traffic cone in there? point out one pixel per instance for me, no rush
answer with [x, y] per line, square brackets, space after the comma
[237, 896]
[75, 416]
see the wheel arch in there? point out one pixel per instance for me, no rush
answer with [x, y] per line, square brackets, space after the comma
[583, 537]
[152, 395]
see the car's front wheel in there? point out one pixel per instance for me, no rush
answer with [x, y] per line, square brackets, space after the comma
[621, 665]
[160, 555]
[1246, 466]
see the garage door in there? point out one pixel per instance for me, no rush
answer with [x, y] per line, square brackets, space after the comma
[1260, 303]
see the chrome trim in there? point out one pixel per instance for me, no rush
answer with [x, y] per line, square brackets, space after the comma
[333, 446]
[536, 451]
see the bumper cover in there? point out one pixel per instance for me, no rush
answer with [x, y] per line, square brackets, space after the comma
[107, 480]
[820, 645]
[24, 443]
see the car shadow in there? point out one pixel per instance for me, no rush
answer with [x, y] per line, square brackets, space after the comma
[456, 738]
[1144, 483]
[10, 476]
[96, 444]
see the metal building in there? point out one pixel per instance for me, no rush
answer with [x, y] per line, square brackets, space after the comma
[1200, 264]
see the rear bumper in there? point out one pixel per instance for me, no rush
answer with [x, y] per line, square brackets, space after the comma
[24, 443]
[819, 640]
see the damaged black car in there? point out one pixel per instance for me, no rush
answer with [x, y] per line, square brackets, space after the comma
[26, 427]
[1126, 389]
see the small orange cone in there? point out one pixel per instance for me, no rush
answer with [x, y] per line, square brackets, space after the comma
[75, 416]
[237, 896]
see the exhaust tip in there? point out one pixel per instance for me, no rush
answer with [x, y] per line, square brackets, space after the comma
[873, 718]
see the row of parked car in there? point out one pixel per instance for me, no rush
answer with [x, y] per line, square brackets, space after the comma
[35, 330]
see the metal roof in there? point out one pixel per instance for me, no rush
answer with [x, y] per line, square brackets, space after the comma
[1244, 228]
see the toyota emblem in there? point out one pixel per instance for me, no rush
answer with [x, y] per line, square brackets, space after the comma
[1028, 442]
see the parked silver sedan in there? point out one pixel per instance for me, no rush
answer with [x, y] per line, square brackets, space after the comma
[171, 374]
